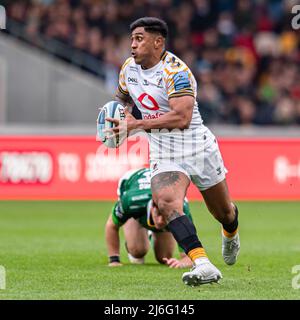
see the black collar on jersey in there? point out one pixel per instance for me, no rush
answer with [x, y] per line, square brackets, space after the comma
[163, 55]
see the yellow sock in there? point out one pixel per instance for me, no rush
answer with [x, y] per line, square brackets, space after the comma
[230, 234]
[197, 253]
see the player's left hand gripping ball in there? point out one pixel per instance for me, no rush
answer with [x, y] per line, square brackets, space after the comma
[115, 111]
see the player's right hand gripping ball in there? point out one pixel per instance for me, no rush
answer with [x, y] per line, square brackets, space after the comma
[115, 110]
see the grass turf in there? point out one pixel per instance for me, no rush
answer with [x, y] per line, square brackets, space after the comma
[56, 250]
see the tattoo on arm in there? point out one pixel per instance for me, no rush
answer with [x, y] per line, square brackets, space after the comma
[164, 179]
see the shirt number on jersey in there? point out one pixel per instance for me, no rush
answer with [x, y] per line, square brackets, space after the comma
[148, 102]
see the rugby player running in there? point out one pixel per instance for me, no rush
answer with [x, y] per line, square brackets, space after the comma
[164, 90]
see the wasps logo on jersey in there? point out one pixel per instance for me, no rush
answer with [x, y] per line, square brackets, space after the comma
[174, 63]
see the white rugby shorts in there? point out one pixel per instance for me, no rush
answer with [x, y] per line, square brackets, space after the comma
[205, 170]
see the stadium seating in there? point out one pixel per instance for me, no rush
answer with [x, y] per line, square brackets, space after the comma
[247, 65]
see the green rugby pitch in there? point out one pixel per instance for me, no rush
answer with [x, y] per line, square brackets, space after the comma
[56, 250]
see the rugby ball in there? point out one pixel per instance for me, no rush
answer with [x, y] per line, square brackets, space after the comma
[112, 109]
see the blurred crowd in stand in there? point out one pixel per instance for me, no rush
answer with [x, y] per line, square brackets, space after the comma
[245, 54]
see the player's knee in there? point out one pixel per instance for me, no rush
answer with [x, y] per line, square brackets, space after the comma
[227, 214]
[160, 260]
[224, 214]
[137, 251]
[159, 256]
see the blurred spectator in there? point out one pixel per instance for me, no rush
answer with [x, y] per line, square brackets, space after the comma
[244, 111]
[95, 43]
[285, 111]
[244, 54]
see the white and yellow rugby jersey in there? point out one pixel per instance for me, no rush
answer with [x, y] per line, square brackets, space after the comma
[152, 88]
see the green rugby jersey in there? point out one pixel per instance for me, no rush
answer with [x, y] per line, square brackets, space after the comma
[134, 193]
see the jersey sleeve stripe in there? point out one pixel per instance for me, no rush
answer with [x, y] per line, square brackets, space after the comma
[163, 57]
[181, 94]
[126, 63]
[190, 90]
[123, 91]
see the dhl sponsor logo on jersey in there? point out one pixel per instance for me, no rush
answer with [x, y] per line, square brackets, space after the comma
[132, 80]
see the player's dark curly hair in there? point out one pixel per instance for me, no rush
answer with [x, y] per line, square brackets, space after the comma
[151, 24]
